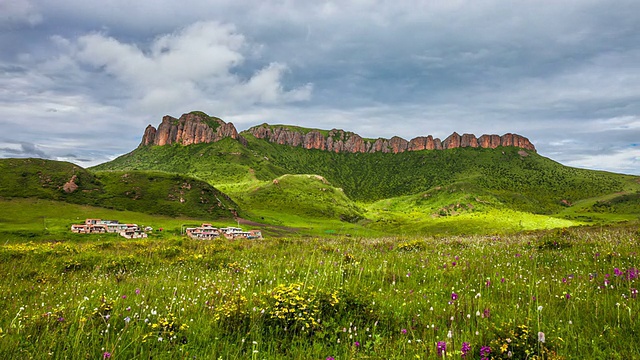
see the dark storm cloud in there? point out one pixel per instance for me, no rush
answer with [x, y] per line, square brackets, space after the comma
[86, 77]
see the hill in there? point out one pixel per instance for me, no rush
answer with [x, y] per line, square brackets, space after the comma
[518, 178]
[309, 196]
[146, 192]
[511, 187]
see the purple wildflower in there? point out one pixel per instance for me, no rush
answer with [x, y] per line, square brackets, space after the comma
[465, 349]
[404, 331]
[485, 351]
[487, 283]
[137, 291]
[106, 355]
[617, 272]
[487, 313]
[60, 319]
[567, 296]
[454, 296]
[356, 343]
[441, 347]
[124, 296]
[632, 273]
[330, 358]
[634, 293]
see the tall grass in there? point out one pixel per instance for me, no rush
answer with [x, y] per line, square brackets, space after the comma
[319, 298]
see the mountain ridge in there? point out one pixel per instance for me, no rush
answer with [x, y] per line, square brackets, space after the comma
[197, 127]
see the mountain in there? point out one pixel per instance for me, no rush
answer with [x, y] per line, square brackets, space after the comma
[192, 128]
[385, 183]
[146, 192]
[197, 127]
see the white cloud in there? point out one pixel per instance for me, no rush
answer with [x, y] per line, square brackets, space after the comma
[265, 87]
[625, 160]
[196, 64]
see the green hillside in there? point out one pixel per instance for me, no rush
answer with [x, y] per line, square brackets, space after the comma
[301, 195]
[223, 162]
[455, 190]
[521, 179]
[146, 192]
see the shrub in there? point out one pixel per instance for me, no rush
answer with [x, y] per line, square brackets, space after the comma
[519, 342]
[293, 308]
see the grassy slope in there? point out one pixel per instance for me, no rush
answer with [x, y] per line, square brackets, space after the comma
[456, 190]
[310, 196]
[148, 192]
[223, 162]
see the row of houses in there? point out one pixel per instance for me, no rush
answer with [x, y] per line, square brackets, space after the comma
[208, 232]
[132, 231]
[99, 226]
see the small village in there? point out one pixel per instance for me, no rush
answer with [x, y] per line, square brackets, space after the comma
[208, 232]
[133, 231]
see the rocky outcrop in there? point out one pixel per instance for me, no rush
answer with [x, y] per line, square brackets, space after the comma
[468, 140]
[343, 141]
[424, 143]
[191, 128]
[452, 141]
[197, 127]
[70, 186]
[489, 141]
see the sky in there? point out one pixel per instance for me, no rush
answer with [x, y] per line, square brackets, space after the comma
[81, 79]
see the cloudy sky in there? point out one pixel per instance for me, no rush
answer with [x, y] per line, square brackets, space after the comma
[80, 80]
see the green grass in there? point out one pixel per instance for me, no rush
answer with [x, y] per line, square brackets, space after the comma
[314, 298]
[149, 192]
[33, 218]
[308, 196]
[466, 185]
[455, 191]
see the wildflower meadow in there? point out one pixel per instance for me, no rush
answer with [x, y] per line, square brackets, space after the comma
[562, 294]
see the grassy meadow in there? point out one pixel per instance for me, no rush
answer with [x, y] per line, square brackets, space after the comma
[555, 294]
[460, 254]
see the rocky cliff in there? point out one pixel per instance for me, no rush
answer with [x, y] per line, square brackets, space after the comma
[192, 128]
[343, 141]
[197, 127]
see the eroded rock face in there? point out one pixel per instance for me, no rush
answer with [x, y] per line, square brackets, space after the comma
[452, 141]
[70, 186]
[489, 141]
[468, 140]
[196, 127]
[342, 141]
[191, 128]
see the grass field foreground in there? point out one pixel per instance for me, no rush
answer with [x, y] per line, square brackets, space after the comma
[557, 294]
